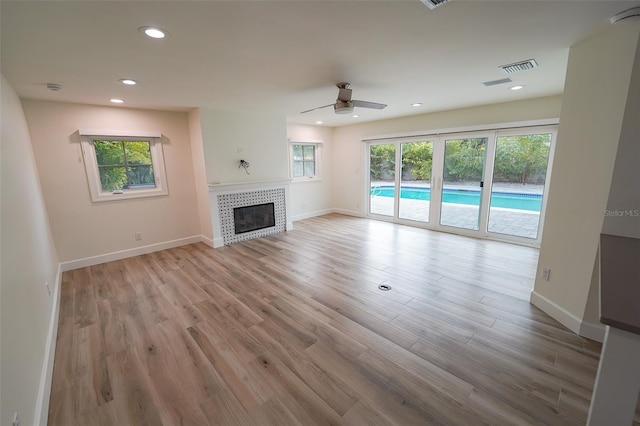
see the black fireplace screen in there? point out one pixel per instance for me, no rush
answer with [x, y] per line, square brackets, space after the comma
[251, 218]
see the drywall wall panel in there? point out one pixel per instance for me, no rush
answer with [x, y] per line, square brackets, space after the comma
[83, 229]
[29, 260]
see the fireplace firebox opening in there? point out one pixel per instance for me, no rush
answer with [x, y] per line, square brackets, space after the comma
[251, 218]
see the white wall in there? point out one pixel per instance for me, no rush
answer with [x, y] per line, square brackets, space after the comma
[313, 198]
[27, 311]
[229, 137]
[349, 151]
[82, 229]
[593, 107]
[200, 175]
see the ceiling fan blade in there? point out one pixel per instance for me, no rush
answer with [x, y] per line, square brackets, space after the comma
[365, 104]
[344, 94]
[313, 109]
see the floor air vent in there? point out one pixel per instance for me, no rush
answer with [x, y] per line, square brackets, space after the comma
[519, 66]
[432, 4]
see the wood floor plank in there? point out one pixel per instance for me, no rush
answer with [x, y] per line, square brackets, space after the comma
[291, 329]
[233, 372]
[133, 394]
[337, 394]
[301, 401]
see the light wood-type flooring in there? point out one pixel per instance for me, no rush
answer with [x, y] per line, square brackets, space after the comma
[292, 329]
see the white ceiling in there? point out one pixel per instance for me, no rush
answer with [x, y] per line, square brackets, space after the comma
[283, 57]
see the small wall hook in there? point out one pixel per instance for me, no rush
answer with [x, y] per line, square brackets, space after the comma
[245, 165]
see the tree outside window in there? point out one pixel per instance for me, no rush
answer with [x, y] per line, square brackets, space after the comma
[124, 164]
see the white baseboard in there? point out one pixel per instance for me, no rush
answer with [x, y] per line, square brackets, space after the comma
[593, 331]
[566, 318]
[206, 240]
[123, 254]
[44, 391]
[348, 212]
[311, 214]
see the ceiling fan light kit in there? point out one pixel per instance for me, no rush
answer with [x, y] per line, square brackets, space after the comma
[344, 104]
[341, 107]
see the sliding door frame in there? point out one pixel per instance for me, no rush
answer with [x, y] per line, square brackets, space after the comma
[437, 176]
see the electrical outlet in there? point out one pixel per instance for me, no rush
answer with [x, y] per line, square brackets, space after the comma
[546, 273]
[48, 287]
[16, 420]
[138, 236]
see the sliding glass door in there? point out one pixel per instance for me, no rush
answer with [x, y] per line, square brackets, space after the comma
[400, 180]
[489, 184]
[462, 182]
[415, 181]
[382, 178]
[518, 188]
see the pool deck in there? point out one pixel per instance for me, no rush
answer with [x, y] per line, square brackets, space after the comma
[520, 223]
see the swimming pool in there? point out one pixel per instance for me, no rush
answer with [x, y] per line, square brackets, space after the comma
[508, 200]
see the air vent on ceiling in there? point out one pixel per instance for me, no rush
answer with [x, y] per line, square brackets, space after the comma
[496, 82]
[519, 66]
[432, 4]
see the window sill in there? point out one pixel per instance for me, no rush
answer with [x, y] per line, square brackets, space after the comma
[128, 195]
[303, 180]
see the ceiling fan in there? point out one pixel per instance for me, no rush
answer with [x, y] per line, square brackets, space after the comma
[344, 104]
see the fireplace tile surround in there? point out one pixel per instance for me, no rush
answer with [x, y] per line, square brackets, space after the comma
[224, 197]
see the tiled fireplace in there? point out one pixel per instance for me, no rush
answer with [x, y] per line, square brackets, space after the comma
[227, 203]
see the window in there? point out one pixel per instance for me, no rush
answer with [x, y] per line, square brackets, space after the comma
[123, 166]
[305, 160]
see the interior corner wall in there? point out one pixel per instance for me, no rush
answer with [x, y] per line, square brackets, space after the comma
[29, 260]
[313, 197]
[229, 136]
[349, 152]
[200, 175]
[593, 106]
[84, 231]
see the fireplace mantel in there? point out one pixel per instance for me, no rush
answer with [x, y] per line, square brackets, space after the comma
[233, 187]
[239, 194]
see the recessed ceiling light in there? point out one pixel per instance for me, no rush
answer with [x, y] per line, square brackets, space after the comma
[518, 87]
[318, 122]
[128, 81]
[417, 104]
[154, 32]
[117, 101]
[355, 116]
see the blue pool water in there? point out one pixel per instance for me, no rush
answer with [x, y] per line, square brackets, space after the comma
[509, 200]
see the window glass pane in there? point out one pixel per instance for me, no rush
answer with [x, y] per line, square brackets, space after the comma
[297, 153]
[309, 168]
[298, 169]
[109, 152]
[113, 178]
[141, 177]
[309, 152]
[137, 152]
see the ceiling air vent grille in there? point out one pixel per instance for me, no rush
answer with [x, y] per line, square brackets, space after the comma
[496, 82]
[432, 4]
[519, 66]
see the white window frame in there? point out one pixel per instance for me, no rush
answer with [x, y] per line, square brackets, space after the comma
[318, 160]
[87, 137]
